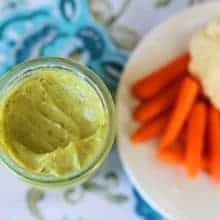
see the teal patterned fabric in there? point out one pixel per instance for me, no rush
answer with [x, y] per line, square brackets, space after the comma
[64, 29]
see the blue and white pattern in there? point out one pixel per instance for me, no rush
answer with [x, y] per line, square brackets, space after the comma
[62, 29]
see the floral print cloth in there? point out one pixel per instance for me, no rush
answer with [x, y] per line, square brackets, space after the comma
[99, 34]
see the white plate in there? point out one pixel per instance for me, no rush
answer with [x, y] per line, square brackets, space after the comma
[166, 188]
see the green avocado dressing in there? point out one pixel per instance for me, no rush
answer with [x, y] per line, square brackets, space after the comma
[53, 122]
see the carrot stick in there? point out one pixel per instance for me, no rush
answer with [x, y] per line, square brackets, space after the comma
[162, 102]
[159, 79]
[173, 155]
[214, 138]
[149, 130]
[205, 164]
[195, 138]
[187, 95]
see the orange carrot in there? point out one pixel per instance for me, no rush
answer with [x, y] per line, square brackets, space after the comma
[149, 130]
[214, 138]
[187, 95]
[159, 79]
[195, 139]
[162, 102]
[205, 163]
[172, 155]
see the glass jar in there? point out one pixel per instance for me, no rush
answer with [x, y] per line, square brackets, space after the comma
[25, 70]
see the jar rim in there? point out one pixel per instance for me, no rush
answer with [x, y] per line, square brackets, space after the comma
[99, 87]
